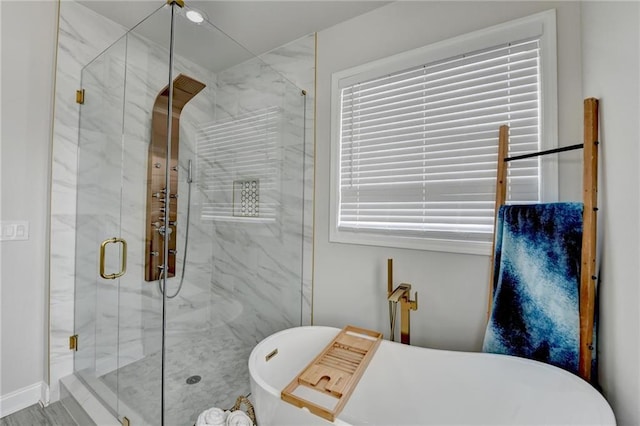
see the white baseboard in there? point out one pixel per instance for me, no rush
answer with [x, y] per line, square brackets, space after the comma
[23, 398]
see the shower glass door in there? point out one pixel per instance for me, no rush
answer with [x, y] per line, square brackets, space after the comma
[119, 315]
[99, 194]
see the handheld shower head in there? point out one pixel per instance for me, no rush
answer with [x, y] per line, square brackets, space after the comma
[189, 172]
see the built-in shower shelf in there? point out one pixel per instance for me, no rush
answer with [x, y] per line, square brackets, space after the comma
[325, 385]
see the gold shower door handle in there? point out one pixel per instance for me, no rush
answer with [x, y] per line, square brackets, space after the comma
[123, 264]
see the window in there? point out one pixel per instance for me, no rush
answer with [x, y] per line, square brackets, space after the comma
[237, 163]
[415, 137]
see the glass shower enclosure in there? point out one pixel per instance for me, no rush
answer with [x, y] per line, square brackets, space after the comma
[189, 229]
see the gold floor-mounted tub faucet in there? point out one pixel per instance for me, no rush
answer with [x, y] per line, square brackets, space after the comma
[402, 295]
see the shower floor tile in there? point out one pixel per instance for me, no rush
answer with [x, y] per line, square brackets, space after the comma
[219, 358]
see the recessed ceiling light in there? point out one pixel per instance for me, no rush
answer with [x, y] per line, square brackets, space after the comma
[195, 16]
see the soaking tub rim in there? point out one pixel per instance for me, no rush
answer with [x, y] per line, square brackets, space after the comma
[254, 363]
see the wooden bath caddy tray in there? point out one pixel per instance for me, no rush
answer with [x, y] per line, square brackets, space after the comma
[335, 371]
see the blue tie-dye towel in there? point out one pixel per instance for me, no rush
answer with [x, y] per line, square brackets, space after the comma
[536, 284]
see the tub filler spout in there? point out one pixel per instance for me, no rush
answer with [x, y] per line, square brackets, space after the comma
[402, 295]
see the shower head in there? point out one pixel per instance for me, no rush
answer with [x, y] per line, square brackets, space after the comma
[184, 89]
[188, 85]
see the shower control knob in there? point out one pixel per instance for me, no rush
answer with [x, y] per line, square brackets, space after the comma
[154, 253]
[173, 195]
[158, 194]
[163, 209]
[163, 230]
[173, 252]
[172, 223]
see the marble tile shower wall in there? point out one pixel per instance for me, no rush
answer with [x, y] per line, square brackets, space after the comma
[296, 61]
[83, 35]
[258, 267]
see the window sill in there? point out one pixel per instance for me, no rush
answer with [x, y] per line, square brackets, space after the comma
[482, 248]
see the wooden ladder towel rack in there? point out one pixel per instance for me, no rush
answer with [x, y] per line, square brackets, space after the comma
[589, 220]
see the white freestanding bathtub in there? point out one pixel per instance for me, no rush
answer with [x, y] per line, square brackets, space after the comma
[407, 385]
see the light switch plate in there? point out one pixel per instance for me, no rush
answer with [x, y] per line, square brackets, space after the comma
[14, 230]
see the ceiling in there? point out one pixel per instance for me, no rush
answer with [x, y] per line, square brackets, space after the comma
[258, 26]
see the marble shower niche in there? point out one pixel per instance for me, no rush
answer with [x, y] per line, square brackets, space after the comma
[245, 276]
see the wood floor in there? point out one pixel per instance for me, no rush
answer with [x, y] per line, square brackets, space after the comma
[53, 415]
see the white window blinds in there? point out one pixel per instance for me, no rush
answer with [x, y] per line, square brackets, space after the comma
[418, 147]
[234, 153]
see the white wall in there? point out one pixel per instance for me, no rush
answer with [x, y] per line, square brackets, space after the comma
[598, 42]
[350, 280]
[611, 71]
[28, 44]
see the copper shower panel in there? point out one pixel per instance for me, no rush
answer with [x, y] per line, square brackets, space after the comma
[184, 89]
